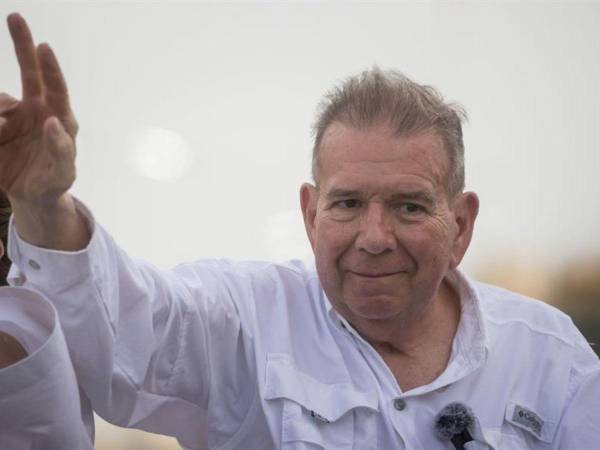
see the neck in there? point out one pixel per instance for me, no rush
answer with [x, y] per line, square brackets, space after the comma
[428, 334]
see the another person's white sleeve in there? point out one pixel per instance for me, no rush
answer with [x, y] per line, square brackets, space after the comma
[40, 405]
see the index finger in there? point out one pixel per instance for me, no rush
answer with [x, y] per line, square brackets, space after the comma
[26, 55]
[55, 87]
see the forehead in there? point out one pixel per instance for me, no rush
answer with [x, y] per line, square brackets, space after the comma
[377, 157]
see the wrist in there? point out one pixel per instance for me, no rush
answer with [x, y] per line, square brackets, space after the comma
[52, 223]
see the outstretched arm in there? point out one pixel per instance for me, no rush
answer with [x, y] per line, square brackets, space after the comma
[37, 148]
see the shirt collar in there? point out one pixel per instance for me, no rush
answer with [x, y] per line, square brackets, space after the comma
[470, 342]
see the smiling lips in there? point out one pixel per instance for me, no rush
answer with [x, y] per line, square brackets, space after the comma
[374, 275]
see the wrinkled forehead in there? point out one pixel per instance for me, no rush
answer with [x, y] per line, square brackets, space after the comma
[381, 147]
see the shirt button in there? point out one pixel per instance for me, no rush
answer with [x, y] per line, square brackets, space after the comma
[34, 264]
[399, 404]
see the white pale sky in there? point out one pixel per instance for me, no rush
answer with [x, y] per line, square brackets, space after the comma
[195, 117]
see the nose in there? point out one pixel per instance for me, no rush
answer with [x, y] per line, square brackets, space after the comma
[376, 234]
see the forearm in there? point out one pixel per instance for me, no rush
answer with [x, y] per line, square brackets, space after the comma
[54, 225]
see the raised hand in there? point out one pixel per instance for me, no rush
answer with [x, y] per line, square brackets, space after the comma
[37, 147]
[37, 134]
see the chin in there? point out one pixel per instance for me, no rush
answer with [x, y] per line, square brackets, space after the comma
[374, 308]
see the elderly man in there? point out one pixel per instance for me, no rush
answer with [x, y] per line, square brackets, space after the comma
[365, 353]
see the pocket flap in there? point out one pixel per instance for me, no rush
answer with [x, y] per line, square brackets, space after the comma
[328, 401]
[530, 420]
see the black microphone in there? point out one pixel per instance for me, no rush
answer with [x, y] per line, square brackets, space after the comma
[452, 424]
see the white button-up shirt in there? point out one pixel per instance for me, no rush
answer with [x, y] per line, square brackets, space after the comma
[249, 355]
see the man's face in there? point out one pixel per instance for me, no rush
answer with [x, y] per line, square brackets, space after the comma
[382, 228]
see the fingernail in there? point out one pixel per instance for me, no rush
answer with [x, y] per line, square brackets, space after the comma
[2, 121]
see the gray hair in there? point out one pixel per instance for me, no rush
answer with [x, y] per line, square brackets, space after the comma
[374, 96]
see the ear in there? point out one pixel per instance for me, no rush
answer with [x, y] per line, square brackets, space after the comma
[466, 208]
[308, 203]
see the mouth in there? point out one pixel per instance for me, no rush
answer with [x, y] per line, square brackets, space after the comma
[374, 275]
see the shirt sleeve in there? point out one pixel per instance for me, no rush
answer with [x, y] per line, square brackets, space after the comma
[580, 428]
[152, 349]
[40, 407]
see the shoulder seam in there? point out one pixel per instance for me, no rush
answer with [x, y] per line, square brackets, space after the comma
[531, 328]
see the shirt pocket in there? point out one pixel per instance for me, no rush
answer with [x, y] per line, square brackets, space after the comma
[499, 440]
[524, 427]
[318, 415]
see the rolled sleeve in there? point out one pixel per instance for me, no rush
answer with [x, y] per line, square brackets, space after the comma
[35, 388]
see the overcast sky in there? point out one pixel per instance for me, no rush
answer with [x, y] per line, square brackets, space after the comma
[195, 117]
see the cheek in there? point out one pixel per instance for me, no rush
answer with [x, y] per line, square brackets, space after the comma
[430, 242]
[334, 237]
[332, 241]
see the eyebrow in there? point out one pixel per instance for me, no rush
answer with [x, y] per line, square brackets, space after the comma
[337, 193]
[422, 196]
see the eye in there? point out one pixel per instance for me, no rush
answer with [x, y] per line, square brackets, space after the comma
[350, 203]
[410, 208]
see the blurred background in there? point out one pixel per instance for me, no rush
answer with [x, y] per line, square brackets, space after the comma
[195, 126]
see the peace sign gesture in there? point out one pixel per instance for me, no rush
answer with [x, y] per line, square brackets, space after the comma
[37, 144]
